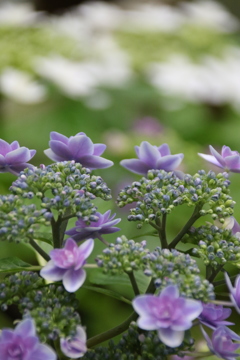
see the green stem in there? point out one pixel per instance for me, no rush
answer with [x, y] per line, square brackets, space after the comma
[224, 303]
[208, 271]
[195, 215]
[56, 227]
[103, 241]
[154, 225]
[63, 224]
[39, 249]
[223, 282]
[214, 273]
[162, 231]
[119, 329]
[134, 283]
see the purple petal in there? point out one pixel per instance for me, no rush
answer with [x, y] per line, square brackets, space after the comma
[147, 323]
[233, 163]
[16, 169]
[99, 149]
[84, 251]
[170, 337]
[14, 145]
[192, 309]
[76, 347]
[95, 162]
[6, 335]
[171, 291]
[2, 160]
[70, 245]
[106, 215]
[164, 150]
[80, 146]
[211, 159]
[32, 153]
[207, 338]
[49, 153]
[137, 150]
[143, 304]
[42, 352]
[226, 151]
[73, 279]
[148, 154]
[60, 149]
[109, 230]
[59, 137]
[136, 166]
[18, 156]
[111, 223]
[4, 147]
[26, 327]
[217, 155]
[169, 162]
[52, 272]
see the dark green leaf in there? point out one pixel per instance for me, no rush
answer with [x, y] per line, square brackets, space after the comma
[13, 264]
[109, 293]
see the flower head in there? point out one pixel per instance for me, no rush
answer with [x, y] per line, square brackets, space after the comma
[228, 160]
[152, 157]
[168, 313]
[79, 148]
[23, 344]
[104, 225]
[66, 264]
[14, 158]
[75, 347]
[234, 291]
[214, 315]
[221, 343]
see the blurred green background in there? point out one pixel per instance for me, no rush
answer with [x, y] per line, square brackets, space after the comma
[122, 73]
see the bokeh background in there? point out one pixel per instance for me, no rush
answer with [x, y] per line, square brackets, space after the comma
[122, 72]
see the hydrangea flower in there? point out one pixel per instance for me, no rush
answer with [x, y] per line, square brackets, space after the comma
[228, 160]
[104, 225]
[234, 291]
[74, 347]
[152, 157]
[221, 344]
[214, 315]
[66, 264]
[14, 158]
[23, 344]
[79, 148]
[168, 313]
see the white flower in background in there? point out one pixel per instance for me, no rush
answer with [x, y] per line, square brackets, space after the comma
[15, 14]
[151, 17]
[210, 13]
[20, 87]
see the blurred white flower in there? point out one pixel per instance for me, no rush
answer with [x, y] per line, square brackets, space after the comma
[20, 87]
[17, 14]
[210, 13]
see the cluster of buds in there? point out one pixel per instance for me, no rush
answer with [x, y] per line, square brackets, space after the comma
[51, 306]
[160, 192]
[172, 267]
[123, 256]
[17, 221]
[216, 245]
[137, 344]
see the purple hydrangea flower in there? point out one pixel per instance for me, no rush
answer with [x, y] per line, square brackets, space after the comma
[66, 264]
[23, 344]
[79, 148]
[221, 344]
[75, 347]
[104, 225]
[14, 158]
[228, 160]
[152, 157]
[234, 291]
[168, 313]
[214, 315]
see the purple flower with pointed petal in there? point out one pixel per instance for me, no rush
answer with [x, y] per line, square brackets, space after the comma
[75, 347]
[23, 344]
[221, 344]
[66, 264]
[104, 225]
[79, 148]
[14, 158]
[168, 313]
[152, 157]
[228, 160]
[214, 315]
[234, 291]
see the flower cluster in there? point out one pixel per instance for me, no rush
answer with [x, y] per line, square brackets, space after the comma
[172, 267]
[123, 256]
[216, 246]
[161, 192]
[18, 221]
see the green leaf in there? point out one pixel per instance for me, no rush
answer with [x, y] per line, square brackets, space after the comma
[13, 264]
[109, 293]
[43, 236]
